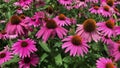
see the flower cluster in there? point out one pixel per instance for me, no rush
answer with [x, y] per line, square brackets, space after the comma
[98, 23]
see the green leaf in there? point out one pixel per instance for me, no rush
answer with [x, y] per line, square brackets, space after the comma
[65, 66]
[9, 14]
[50, 66]
[44, 46]
[106, 49]
[58, 44]
[58, 59]
[43, 57]
[47, 1]
[67, 59]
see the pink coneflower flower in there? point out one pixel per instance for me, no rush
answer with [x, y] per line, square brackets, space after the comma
[25, 2]
[25, 19]
[88, 30]
[95, 9]
[107, 28]
[26, 62]
[76, 45]
[16, 26]
[62, 20]
[112, 6]
[5, 55]
[50, 28]
[24, 47]
[65, 2]
[106, 40]
[105, 11]
[116, 51]
[105, 63]
[80, 4]
[110, 3]
[37, 19]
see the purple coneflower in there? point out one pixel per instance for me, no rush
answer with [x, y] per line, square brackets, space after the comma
[110, 3]
[95, 9]
[62, 20]
[26, 62]
[23, 3]
[106, 40]
[24, 47]
[37, 19]
[76, 45]
[16, 26]
[50, 28]
[105, 11]
[105, 63]
[88, 30]
[5, 55]
[107, 28]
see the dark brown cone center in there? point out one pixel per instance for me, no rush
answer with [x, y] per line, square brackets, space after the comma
[89, 25]
[76, 40]
[45, 19]
[24, 44]
[49, 9]
[2, 55]
[62, 17]
[82, 0]
[106, 8]
[51, 24]
[15, 20]
[106, 37]
[110, 24]
[22, 16]
[66, 0]
[119, 48]
[27, 60]
[110, 2]
[109, 65]
[96, 7]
